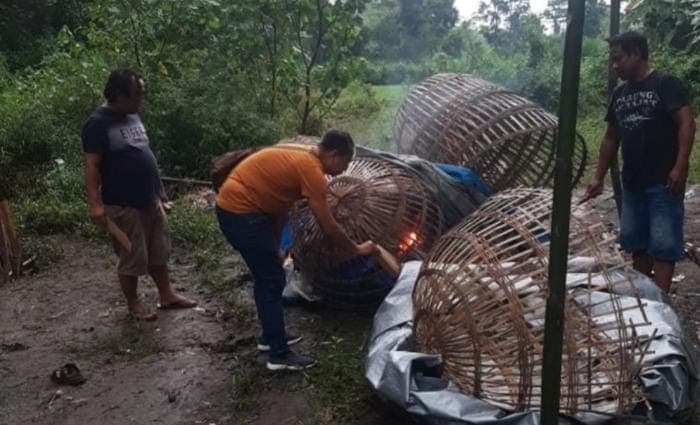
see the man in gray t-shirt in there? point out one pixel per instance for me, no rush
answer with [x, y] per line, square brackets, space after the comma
[123, 186]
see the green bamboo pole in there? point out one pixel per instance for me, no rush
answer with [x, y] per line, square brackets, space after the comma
[561, 211]
[612, 83]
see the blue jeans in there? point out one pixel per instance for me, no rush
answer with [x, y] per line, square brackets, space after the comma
[652, 223]
[252, 235]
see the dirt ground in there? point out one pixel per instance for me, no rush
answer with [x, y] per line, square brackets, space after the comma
[196, 366]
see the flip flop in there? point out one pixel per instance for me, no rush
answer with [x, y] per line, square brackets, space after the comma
[68, 374]
[179, 304]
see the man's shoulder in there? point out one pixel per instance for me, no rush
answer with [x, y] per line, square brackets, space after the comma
[662, 79]
[97, 118]
[102, 115]
[662, 75]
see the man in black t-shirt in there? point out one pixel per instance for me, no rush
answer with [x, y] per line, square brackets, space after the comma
[123, 185]
[650, 115]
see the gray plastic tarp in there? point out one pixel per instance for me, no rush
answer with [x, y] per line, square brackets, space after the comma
[407, 378]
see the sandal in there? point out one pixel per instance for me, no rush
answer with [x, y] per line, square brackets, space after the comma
[68, 374]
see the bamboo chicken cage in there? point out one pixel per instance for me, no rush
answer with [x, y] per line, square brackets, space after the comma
[480, 299]
[505, 139]
[374, 199]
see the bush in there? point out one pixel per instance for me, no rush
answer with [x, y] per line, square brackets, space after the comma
[42, 116]
[367, 113]
[57, 206]
[197, 116]
[388, 73]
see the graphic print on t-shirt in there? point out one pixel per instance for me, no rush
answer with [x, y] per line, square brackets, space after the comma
[635, 108]
[130, 133]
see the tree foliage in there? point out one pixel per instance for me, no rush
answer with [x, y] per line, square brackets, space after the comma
[406, 30]
[595, 11]
[505, 22]
[669, 25]
[27, 25]
[223, 74]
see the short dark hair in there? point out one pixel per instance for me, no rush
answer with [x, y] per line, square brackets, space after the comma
[631, 42]
[119, 83]
[339, 141]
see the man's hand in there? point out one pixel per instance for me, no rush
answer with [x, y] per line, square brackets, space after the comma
[595, 188]
[97, 214]
[365, 248]
[676, 179]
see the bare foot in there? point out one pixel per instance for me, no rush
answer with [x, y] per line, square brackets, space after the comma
[176, 302]
[140, 311]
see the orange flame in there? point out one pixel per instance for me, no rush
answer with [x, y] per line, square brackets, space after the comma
[407, 242]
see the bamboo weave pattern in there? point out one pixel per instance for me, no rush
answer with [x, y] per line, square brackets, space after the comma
[504, 138]
[373, 200]
[480, 300]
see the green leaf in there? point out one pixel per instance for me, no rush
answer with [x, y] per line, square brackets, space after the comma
[214, 23]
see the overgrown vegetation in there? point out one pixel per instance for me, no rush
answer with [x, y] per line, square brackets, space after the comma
[224, 74]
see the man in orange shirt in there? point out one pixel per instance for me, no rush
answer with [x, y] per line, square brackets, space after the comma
[251, 206]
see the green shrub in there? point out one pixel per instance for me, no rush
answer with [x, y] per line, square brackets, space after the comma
[199, 115]
[56, 205]
[381, 73]
[42, 114]
[191, 227]
[367, 113]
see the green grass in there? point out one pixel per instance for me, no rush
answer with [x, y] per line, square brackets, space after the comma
[197, 231]
[338, 386]
[367, 113]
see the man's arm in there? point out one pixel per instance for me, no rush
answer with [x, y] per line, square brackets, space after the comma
[330, 227]
[608, 150]
[162, 196]
[683, 118]
[92, 186]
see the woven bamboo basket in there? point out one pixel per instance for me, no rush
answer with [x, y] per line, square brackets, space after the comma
[504, 138]
[376, 200]
[480, 299]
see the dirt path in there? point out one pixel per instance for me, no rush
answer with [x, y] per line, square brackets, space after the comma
[158, 372]
[195, 366]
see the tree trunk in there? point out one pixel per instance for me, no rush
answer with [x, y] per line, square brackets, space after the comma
[4, 257]
[10, 253]
[307, 103]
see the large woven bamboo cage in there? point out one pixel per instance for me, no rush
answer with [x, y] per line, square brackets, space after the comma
[504, 138]
[480, 300]
[376, 200]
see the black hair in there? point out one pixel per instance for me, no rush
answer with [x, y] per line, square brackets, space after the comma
[631, 42]
[119, 84]
[339, 141]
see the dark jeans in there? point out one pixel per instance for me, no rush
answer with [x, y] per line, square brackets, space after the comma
[252, 235]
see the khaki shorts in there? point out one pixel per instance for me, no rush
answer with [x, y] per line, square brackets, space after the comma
[147, 230]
